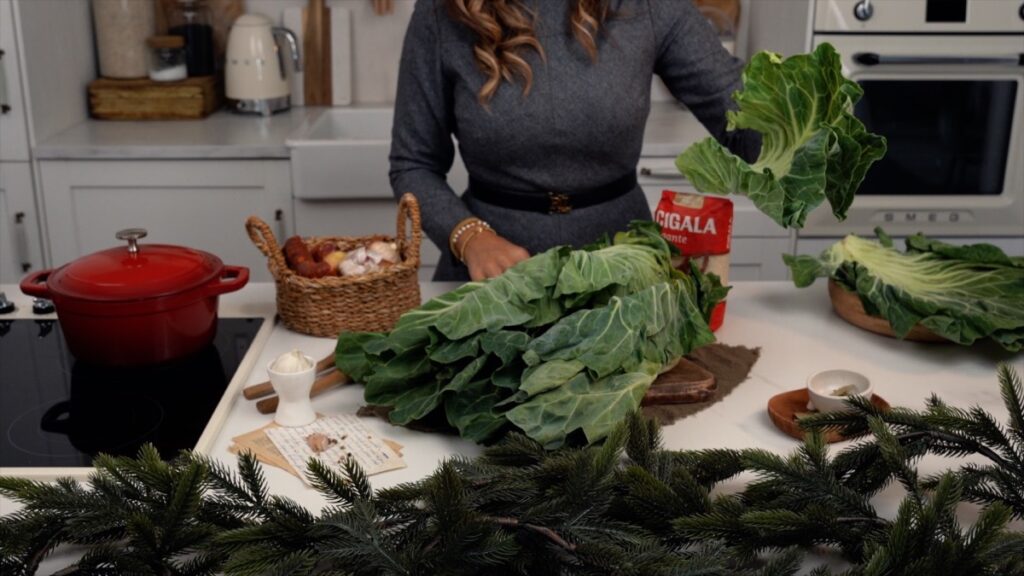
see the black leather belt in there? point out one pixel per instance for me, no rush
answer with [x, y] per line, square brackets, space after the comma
[549, 201]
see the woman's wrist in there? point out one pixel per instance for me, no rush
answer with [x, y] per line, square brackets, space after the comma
[463, 232]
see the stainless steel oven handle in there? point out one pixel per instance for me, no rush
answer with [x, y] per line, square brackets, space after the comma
[876, 59]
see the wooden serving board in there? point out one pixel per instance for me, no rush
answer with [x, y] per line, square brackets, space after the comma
[849, 307]
[145, 99]
[686, 383]
[785, 408]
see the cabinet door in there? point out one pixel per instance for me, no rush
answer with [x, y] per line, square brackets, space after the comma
[20, 241]
[358, 218]
[200, 204]
[758, 259]
[13, 127]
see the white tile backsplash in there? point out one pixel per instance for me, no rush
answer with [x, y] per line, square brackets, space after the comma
[376, 43]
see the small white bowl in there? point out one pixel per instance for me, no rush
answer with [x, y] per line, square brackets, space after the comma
[823, 388]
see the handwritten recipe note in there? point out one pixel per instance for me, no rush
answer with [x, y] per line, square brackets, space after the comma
[332, 440]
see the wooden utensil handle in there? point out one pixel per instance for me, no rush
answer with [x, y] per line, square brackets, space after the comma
[322, 384]
[266, 389]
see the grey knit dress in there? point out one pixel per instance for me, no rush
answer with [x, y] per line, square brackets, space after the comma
[580, 128]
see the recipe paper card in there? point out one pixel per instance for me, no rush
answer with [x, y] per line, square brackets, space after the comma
[332, 440]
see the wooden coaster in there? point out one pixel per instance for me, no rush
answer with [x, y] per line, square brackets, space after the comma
[849, 307]
[686, 383]
[784, 409]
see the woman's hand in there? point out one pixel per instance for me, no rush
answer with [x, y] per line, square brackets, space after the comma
[487, 255]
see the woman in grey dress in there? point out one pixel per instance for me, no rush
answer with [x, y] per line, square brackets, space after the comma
[547, 100]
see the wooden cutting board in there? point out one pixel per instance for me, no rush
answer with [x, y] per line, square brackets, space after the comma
[316, 41]
[686, 383]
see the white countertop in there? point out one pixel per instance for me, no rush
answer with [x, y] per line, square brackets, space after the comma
[226, 135]
[798, 335]
[222, 135]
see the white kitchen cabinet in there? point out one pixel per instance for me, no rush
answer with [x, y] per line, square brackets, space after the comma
[20, 243]
[13, 124]
[197, 203]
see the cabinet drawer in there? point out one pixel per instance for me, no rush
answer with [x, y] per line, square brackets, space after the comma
[754, 259]
[20, 240]
[659, 174]
[196, 203]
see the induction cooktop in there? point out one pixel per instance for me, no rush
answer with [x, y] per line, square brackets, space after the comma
[59, 412]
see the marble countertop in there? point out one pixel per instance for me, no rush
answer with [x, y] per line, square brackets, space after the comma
[222, 135]
[795, 329]
[225, 135]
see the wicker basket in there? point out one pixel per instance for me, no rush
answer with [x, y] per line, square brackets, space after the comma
[333, 304]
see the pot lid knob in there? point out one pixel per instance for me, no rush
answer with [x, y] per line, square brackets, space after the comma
[132, 235]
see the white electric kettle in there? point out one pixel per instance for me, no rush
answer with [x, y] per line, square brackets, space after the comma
[255, 72]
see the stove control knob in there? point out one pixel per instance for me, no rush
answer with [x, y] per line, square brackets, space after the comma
[1021, 12]
[6, 306]
[863, 11]
[42, 306]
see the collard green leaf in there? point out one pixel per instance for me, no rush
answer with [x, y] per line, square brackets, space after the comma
[515, 343]
[963, 293]
[813, 147]
[593, 407]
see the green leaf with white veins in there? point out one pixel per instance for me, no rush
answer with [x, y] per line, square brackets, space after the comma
[594, 407]
[963, 293]
[813, 147]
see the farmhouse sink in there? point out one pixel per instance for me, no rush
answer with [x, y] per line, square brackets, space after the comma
[342, 153]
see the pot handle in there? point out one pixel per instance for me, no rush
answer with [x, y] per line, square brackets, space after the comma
[231, 278]
[52, 421]
[35, 284]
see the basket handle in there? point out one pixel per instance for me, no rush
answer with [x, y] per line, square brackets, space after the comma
[263, 237]
[409, 209]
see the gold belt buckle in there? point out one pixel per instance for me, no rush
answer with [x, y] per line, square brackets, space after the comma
[559, 203]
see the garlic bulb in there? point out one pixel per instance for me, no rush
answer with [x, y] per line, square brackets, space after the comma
[387, 251]
[292, 362]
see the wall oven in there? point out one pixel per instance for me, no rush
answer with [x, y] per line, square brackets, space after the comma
[943, 81]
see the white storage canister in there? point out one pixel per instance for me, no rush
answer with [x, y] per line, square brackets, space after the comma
[122, 27]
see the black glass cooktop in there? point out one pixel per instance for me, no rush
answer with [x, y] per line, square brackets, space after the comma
[57, 411]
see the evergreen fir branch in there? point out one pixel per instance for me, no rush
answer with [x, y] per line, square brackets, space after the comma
[1012, 391]
[628, 507]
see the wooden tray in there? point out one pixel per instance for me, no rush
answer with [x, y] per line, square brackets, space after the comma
[686, 383]
[849, 307]
[144, 99]
[784, 408]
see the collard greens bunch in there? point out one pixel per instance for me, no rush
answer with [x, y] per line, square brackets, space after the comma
[813, 148]
[564, 342]
[963, 293]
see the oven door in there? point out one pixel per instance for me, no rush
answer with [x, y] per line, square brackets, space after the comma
[952, 110]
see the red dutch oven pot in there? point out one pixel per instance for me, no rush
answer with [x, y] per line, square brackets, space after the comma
[140, 304]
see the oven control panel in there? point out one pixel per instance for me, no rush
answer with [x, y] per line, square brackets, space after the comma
[922, 216]
[919, 16]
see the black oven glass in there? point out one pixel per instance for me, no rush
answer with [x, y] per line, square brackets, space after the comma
[946, 137]
[58, 411]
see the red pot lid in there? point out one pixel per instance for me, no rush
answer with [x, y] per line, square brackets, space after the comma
[134, 272]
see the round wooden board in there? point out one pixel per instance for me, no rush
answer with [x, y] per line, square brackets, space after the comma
[849, 307]
[784, 408]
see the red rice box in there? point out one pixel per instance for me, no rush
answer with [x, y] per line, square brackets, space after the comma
[701, 227]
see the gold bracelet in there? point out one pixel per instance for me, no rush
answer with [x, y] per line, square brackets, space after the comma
[473, 233]
[460, 229]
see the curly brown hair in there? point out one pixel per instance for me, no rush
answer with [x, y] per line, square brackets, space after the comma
[504, 29]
